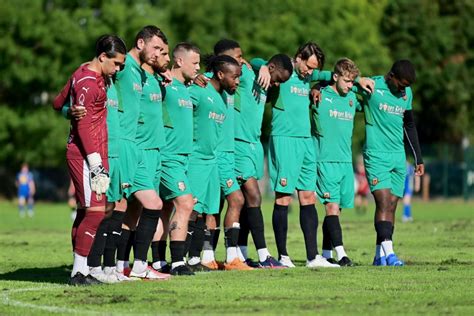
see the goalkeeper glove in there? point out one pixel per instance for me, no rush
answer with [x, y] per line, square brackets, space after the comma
[99, 176]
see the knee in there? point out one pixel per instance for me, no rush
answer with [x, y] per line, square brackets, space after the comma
[236, 200]
[185, 206]
[307, 197]
[254, 199]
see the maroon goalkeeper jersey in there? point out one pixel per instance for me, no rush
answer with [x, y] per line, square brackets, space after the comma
[88, 135]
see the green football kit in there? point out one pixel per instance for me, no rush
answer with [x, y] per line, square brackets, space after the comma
[179, 141]
[384, 151]
[209, 115]
[332, 127]
[292, 156]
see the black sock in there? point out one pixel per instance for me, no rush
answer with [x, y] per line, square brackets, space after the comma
[208, 239]
[393, 230]
[189, 236]
[113, 238]
[327, 245]
[197, 239]
[244, 227]
[384, 230]
[146, 228]
[177, 250]
[309, 226]
[98, 246]
[231, 236]
[158, 250]
[280, 227]
[122, 245]
[256, 226]
[215, 237]
[334, 229]
[130, 243]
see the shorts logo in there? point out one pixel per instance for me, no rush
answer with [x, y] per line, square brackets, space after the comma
[351, 103]
[283, 182]
[326, 195]
[229, 183]
[375, 181]
[126, 185]
[181, 186]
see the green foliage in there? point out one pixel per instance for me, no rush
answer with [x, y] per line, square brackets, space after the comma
[43, 41]
[438, 37]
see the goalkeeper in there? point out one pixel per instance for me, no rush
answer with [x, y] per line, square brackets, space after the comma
[87, 146]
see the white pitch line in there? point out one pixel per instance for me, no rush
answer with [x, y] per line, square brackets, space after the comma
[6, 300]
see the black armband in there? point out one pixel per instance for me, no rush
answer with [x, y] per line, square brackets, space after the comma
[411, 136]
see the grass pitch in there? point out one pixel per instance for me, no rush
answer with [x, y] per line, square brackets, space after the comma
[438, 247]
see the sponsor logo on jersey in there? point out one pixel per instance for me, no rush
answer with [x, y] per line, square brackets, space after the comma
[391, 109]
[283, 182]
[229, 183]
[92, 235]
[137, 87]
[185, 103]
[219, 118]
[379, 92]
[211, 100]
[299, 91]
[341, 115]
[328, 99]
[155, 97]
[181, 186]
[112, 103]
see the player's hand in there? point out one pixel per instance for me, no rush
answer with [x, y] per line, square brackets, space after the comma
[167, 79]
[367, 84]
[77, 112]
[315, 95]
[201, 80]
[99, 176]
[264, 77]
[420, 170]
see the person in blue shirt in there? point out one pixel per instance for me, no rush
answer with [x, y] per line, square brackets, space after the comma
[26, 190]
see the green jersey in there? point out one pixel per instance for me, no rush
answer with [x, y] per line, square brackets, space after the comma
[208, 117]
[129, 86]
[150, 130]
[333, 124]
[179, 137]
[226, 139]
[291, 103]
[113, 124]
[249, 106]
[384, 117]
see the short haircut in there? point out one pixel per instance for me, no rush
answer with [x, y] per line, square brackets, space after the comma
[309, 49]
[282, 61]
[215, 64]
[185, 47]
[404, 69]
[148, 32]
[345, 66]
[224, 45]
[110, 45]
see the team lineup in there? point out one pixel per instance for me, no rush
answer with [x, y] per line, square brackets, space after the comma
[155, 150]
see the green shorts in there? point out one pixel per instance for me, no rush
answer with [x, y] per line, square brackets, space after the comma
[292, 164]
[130, 162]
[226, 168]
[203, 178]
[174, 179]
[386, 170]
[114, 192]
[148, 178]
[248, 160]
[335, 183]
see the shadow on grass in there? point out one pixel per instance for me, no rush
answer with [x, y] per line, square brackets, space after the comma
[55, 275]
